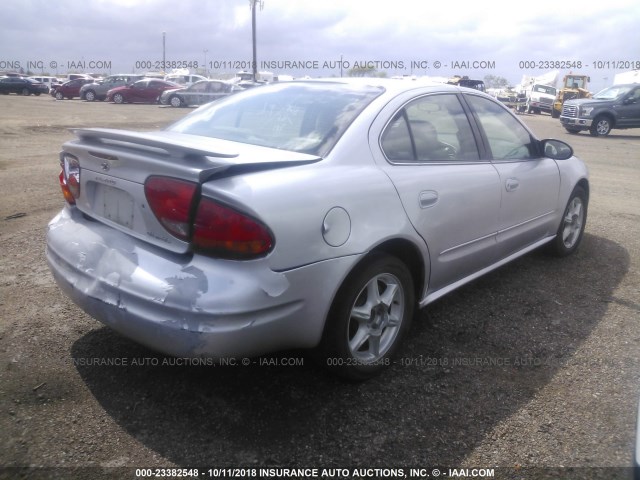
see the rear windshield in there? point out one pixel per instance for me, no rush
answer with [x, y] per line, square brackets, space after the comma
[295, 116]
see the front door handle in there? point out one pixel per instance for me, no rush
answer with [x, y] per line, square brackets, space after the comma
[511, 184]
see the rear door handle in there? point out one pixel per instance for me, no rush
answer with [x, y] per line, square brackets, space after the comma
[428, 198]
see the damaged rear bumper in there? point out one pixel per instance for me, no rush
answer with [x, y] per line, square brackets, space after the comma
[189, 305]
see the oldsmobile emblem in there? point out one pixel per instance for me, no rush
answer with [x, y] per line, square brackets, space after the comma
[105, 166]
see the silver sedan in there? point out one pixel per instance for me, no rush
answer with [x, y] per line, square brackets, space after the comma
[309, 214]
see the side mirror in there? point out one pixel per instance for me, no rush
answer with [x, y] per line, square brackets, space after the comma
[556, 149]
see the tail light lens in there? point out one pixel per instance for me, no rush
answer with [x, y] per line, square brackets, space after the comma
[225, 232]
[70, 178]
[171, 201]
[212, 228]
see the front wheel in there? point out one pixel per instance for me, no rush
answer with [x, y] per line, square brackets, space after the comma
[368, 319]
[600, 127]
[175, 101]
[59, 96]
[26, 92]
[572, 129]
[118, 98]
[90, 96]
[571, 227]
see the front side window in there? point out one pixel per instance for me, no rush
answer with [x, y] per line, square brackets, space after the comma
[430, 128]
[507, 138]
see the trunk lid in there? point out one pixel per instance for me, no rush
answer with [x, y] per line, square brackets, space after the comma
[114, 165]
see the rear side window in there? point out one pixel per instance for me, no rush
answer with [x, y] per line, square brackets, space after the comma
[508, 139]
[430, 128]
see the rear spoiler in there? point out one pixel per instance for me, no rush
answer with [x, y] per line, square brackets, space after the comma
[175, 147]
[204, 157]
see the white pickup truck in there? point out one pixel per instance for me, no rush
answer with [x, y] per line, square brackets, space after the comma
[539, 98]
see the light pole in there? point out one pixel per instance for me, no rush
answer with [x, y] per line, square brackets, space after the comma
[205, 62]
[253, 35]
[164, 51]
[340, 65]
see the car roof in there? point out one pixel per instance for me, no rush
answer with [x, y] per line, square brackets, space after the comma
[393, 86]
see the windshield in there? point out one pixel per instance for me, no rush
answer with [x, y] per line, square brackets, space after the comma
[611, 93]
[545, 89]
[298, 116]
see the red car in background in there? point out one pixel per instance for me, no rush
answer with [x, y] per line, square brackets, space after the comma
[147, 90]
[70, 89]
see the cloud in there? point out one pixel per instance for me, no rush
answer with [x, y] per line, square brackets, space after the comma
[122, 33]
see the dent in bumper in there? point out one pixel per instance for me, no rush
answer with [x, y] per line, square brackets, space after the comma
[188, 305]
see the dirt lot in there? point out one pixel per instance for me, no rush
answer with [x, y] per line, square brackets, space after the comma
[535, 365]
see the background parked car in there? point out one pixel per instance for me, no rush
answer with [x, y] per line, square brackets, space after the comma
[98, 90]
[614, 107]
[22, 86]
[184, 80]
[47, 80]
[147, 90]
[199, 93]
[70, 89]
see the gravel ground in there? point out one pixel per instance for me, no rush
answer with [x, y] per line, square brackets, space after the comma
[532, 370]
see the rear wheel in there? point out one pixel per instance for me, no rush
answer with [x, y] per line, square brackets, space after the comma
[571, 228]
[369, 318]
[118, 98]
[601, 126]
[26, 92]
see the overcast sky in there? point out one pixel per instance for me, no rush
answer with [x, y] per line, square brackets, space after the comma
[397, 36]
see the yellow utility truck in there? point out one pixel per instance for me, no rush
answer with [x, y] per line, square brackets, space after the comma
[573, 86]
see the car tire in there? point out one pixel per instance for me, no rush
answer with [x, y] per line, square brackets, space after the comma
[601, 126]
[90, 96]
[571, 229]
[59, 96]
[555, 113]
[369, 318]
[118, 98]
[37, 94]
[572, 129]
[175, 101]
[26, 92]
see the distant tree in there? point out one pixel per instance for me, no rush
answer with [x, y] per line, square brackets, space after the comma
[492, 81]
[362, 72]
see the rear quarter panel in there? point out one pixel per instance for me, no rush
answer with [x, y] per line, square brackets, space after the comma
[293, 202]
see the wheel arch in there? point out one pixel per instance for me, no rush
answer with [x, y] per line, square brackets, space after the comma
[407, 252]
[404, 250]
[584, 183]
[609, 115]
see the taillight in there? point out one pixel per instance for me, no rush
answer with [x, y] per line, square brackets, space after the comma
[212, 228]
[225, 232]
[171, 202]
[70, 177]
